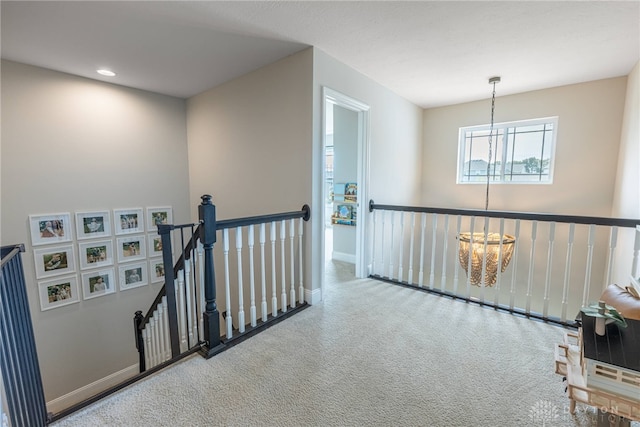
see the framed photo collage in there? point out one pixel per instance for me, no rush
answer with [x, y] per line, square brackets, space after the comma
[115, 252]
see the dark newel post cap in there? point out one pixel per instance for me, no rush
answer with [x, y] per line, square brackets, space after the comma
[206, 199]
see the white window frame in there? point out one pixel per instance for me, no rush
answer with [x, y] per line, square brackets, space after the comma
[462, 148]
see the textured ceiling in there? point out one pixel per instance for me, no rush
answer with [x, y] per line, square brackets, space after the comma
[432, 53]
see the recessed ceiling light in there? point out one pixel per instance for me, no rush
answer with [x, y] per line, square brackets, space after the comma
[107, 73]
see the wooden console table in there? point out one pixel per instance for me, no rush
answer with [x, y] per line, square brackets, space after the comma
[602, 371]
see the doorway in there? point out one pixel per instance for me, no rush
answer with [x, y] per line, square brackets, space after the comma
[345, 141]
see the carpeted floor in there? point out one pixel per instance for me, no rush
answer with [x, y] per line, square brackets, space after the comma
[372, 354]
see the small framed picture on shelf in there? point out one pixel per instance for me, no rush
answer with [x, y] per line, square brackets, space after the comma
[351, 192]
[132, 275]
[54, 261]
[127, 221]
[159, 215]
[50, 228]
[156, 270]
[95, 254]
[98, 283]
[131, 248]
[59, 292]
[344, 214]
[92, 225]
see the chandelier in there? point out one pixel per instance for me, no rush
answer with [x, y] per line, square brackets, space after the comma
[487, 252]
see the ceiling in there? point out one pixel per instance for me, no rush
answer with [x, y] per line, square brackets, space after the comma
[433, 53]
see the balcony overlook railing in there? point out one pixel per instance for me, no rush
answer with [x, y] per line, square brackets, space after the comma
[556, 264]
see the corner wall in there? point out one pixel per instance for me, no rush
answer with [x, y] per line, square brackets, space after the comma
[72, 144]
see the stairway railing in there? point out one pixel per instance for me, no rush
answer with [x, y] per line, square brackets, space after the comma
[21, 380]
[559, 263]
[184, 317]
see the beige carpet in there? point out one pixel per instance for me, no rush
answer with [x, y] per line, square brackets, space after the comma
[372, 354]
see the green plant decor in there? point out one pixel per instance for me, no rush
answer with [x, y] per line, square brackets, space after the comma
[602, 310]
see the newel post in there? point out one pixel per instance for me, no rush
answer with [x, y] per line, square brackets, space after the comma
[137, 321]
[211, 316]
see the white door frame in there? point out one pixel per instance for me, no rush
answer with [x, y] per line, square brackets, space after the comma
[342, 100]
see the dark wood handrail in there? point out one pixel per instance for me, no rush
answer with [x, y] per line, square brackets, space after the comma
[304, 213]
[612, 222]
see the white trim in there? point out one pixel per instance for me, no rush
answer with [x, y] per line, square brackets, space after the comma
[313, 296]
[63, 402]
[344, 257]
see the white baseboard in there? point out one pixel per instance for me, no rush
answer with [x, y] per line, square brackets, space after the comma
[313, 296]
[341, 256]
[76, 396]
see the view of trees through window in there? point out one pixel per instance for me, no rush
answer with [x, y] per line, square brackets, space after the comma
[521, 152]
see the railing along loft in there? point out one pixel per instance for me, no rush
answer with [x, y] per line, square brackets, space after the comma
[560, 263]
[21, 380]
[185, 318]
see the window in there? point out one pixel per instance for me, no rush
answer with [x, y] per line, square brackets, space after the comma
[522, 152]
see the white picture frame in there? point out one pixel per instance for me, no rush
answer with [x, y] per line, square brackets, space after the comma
[95, 254]
[50, 228]
[93, 225]
[156, 270]
[131, 248]
[58, 292]
[98, 283]
[54, 261]
[155, 245]
[132, 276]
[159, 215]
[128, 221]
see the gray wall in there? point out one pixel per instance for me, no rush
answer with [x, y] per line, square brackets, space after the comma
[71, 144]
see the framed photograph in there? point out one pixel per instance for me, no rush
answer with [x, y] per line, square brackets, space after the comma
[127, 221]
[133, 275]
[98, 283]
[131, 248]
[95, 254]
[159, 215]
[156, 270]
[155, 245]
[54, 261]
[50, 228]
[91, 225]
[59, 292]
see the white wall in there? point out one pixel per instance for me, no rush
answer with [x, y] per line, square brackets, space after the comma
[395, 135]
[626, 200]
[72, 144]
[590, 118]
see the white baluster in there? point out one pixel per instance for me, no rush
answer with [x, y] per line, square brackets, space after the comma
[567, 272]
[411, 241]
[423, 224]
[434, 229]
[263, 277]
[292, 292]
[456, 277]
[283, 270]
[483, 279]
[147, 350]
[532, 260]
[587, 276]
[189, 302]
[393, 244]
[382, 245]
[499, 274]
[274, 297]
[445, 246]
[547, 281]
[165, 322]
[161, 332]
[240, 284]
[514, 264]
[252, 285]
[201, 290]
[470, 260]
[227, 286]
[301, 260]
[182, 321]
[374, 229]
[400, 257]
[156, 339]
[613, 243]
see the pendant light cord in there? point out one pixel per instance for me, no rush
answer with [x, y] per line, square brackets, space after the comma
[493, 104]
